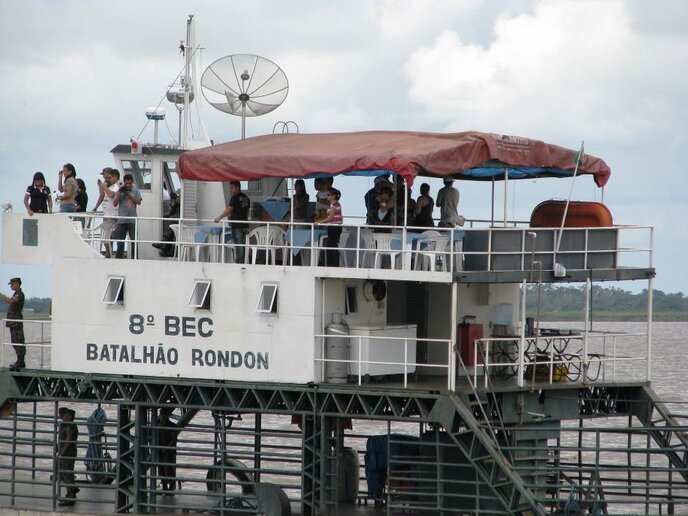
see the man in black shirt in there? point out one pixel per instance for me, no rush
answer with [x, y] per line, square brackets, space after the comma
[14, 311]
[237, 210]
[68, 433]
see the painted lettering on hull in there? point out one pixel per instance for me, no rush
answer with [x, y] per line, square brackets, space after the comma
[169, 355]
[225, 358]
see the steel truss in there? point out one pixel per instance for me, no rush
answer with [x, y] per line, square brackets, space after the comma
[516, 467]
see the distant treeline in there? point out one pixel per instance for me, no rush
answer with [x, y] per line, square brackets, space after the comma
[612, 301]
[39, 305]
[555, 302]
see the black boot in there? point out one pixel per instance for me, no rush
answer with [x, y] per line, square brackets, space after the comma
[18, 365]
[70, 497]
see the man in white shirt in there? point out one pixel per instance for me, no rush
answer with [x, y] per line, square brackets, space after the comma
[448, 202]
[108, 188]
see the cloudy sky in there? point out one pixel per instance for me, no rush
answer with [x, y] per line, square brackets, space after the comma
[78, 76]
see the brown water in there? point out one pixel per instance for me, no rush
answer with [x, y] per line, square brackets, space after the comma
[669, 379]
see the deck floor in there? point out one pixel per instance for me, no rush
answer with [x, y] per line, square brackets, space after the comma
[92, 500]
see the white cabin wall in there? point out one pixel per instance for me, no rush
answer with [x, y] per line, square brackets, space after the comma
[57, 237]
[439, 326]
[369, 312]
[210, 200]
[480, 300]
[161, 289]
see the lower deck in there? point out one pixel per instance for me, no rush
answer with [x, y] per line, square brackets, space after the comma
[500, 450]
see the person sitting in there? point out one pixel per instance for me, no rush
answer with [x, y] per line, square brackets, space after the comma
[334, 216]
[322, 205]
[37, 197]
[168, 237]
[371, 203]
[384, 214]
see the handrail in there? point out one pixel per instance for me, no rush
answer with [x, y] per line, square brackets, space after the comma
[505, 356]
[360, 363]
[608, 249]
[41, 345]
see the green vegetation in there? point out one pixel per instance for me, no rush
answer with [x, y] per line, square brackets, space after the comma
[608, 303]
[34, 308]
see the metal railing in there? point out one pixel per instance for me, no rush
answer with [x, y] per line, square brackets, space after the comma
[361, 368]
[587, 357]
[471, 248]
[37, 344]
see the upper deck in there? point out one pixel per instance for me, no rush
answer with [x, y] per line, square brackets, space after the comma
[475, 253]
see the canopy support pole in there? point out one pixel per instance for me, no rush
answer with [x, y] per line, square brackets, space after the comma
[506, 195]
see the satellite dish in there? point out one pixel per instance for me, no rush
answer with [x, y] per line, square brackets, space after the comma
[244, 85]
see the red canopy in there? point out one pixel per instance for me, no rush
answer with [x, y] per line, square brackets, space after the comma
[409, 154]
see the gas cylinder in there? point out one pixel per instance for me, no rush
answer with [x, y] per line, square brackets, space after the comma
[337, 349]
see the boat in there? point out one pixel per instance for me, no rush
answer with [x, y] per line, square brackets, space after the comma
[406, 379]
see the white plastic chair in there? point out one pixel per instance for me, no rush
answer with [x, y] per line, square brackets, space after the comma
[430, 251]
[365, 256]
[383, 246]
[261, 238]
[175, 230]
[189, 244]
[343, 245]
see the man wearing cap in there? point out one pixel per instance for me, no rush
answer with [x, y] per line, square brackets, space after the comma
[14, 311]
[448, 202]
[68, 433]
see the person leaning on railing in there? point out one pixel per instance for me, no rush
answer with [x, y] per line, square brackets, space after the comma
[14, 311]
[37, 197]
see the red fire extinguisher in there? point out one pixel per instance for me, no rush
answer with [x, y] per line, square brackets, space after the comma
[135, 148]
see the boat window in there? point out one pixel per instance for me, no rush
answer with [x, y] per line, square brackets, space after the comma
[114, 291]
[200, 296]
[141, 170]
[30, 232]
[350, 299]
[170, 176]
[267, 302]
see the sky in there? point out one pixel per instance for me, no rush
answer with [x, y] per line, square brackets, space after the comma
[78, 76]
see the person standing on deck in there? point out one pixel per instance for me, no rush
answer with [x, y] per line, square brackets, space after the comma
[127, 199]
[424, 206]
[300, 201]
[68, 433]
[168, 432]
[334, 216]
[237, 210]
[66, 185]
[14, 311]
[108, 188]
[37, 197]
[448, 202]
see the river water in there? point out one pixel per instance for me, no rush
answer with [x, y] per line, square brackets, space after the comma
[282, 439]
